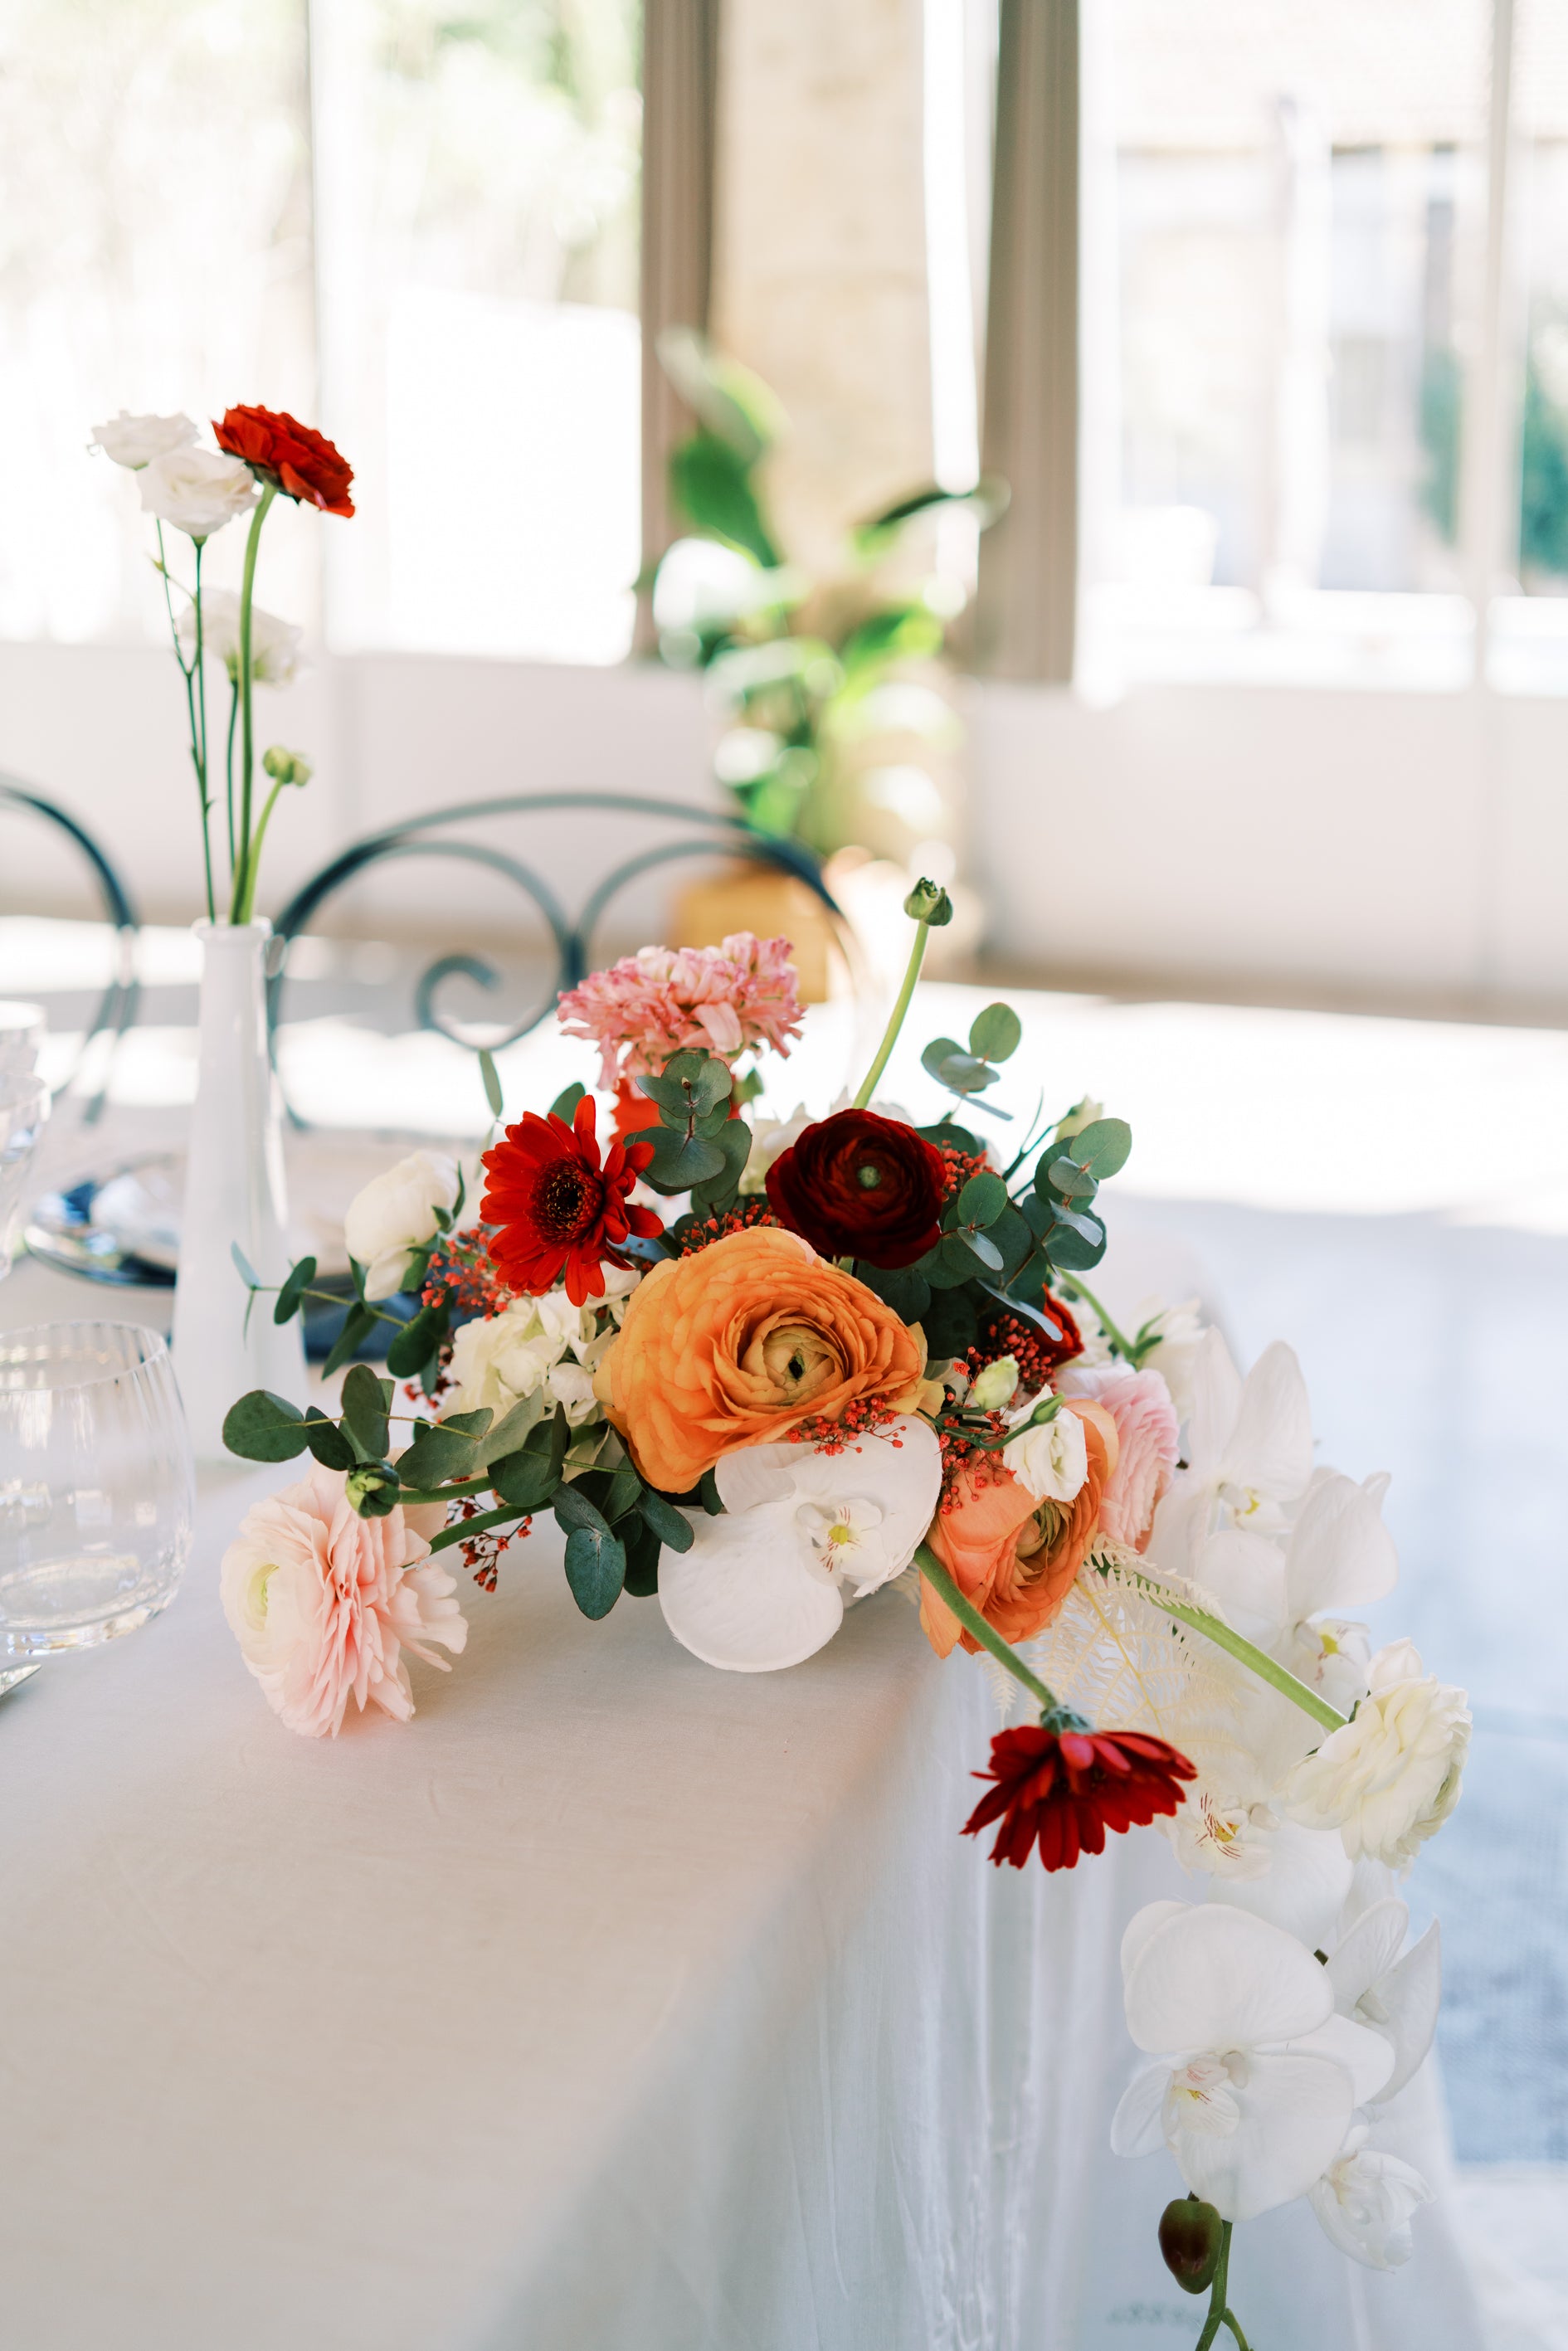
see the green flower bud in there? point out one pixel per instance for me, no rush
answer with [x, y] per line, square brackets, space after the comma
[286, 767]
[928, 904]
[372, 1489]
[995, 1386]
[1191, 2236]
[1082, 1114]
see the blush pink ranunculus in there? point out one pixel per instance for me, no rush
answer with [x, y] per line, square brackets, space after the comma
[1140, 1404]
[323, 1604]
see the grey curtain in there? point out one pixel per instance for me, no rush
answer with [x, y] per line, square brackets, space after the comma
[1026, 611]
[680, 79]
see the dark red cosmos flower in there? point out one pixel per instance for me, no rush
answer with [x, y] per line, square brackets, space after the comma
[859, 1185]
[557, 1209]
[302, 462]
[1066, 1787]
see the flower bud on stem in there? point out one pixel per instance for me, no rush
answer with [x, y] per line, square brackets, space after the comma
[929, 909]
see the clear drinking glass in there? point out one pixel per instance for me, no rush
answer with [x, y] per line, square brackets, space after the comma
[96, 1487]
[22, 1030]
[24, 1113]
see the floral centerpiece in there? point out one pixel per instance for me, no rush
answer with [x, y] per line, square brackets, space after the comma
[763, 1371]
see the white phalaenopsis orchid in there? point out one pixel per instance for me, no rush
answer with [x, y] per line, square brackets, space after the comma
[1365, 2200]
[764, 1584]
[1394, 1992]
[1255, 2077]
[1249, 1456]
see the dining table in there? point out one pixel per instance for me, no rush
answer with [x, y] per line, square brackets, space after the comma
[613, 2003]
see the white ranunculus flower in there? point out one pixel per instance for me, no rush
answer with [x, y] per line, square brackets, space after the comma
[275, 644]
[135, 440]
[764, 1585]
[499, 1359]
[395, 1214]
[1255, 2078]
[196, 490]
[1390, 1778]
[1365, 2200]
[1050, 1458]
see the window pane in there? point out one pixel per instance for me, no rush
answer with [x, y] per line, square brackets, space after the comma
[1298, 195]
[154, 255]
[477, 212]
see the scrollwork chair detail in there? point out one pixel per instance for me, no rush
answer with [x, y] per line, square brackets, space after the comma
[700, 832]
[117, 1006]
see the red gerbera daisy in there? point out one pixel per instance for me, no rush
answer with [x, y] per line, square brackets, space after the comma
[557, 1209]
[1066, 1786]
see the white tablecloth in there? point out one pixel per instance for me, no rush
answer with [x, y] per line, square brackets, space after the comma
[615, 2004]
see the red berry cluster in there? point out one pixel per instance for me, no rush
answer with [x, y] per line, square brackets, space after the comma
[862, 1416]
[482, 1553]
[462, 1273]
[961, 1450]
[960, 1166]
[709, 1230]
[1035, 1355]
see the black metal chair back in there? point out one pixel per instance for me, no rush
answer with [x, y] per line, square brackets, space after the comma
[117, 1006]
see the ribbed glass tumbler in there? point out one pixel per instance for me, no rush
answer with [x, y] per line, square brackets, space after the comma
[96, 1489]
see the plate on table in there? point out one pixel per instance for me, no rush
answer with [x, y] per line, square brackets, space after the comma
[122, 1227]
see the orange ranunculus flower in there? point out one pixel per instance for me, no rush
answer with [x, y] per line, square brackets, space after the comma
[739, 1344]
[1014, 1558]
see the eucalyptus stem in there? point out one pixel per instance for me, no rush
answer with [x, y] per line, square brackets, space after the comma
[245, 877]
[1224, 1637]
[969, 1616]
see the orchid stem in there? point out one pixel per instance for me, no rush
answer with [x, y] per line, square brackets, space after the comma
[895, 1020]
[1278, 1677]
[1219, 2312]
[969, 1616]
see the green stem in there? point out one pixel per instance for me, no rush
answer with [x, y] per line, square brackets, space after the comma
[969, 1616]
[445, 1493]
[1119, 1340]
[1234, 2323]
[896, 1023]
[1212, 2324]
[234, 720]
[198, 739]
[260, 837]
[244, 879]
[1278, 1677]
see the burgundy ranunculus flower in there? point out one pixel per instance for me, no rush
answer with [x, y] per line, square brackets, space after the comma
[1065, 1788]
[557, 1209]
[302, 462]
[859, 1185]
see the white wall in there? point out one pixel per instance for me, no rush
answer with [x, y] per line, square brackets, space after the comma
[1405, 844]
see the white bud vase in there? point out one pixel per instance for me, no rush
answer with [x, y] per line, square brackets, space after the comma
[233, 1192]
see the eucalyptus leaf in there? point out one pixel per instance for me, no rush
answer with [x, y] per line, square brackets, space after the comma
[952, 1323]
[243, 1268]
[265, 1428]
[297, 1280]
[327, 1441]
[1076, 1243]
[707, 1488]
[680, 1161]
[957, 1138]
[940, 1050]
[1013, 1236]
[437, 1453]
[358, 1324]
[995, 1034]
[901, 1287]
[666, 1520]
[1102, 1148]
[526, 1481]
[417, 1342]
[640, 1543]
[492, 1078]
[573, 1509]
[1071, 1181]
[982, 1199]
[365, 1412]
[509, 1432]
[965, 1073]
[949, 1264]
[734, 1140]
[470, 1424]
[981, 1247]
[565, 1101]
[595, 1569]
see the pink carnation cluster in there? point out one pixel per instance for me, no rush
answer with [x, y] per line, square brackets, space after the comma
[647, 1006]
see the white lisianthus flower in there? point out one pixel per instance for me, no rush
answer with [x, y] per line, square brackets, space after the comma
[1390, 1778]
[275, 644]
[395, 1214]
[995, 1386]
[572, 1384]
[1255, 2078]
[764, 1585]
[196, 490]
[499, 1359]
[1050, 1458]
[1365, 2200]
[134, 441]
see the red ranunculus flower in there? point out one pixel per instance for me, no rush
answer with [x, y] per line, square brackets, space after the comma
[303, 462]
[557, 1209]
[859, 1185]
[1066, 1787]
